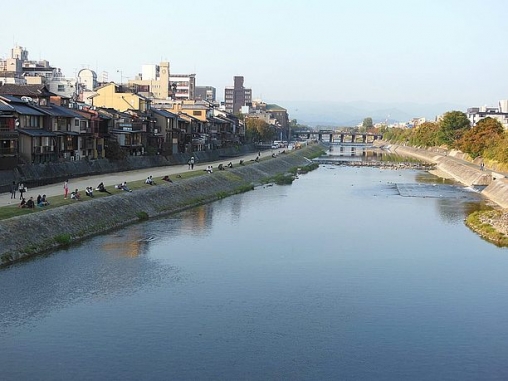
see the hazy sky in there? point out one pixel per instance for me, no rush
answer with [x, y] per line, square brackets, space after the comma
[424, 51]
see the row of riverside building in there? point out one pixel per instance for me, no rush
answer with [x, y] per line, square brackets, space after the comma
[46, 117]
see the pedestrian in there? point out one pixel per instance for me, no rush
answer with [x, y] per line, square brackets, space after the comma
[66, 188]
[13, 190]
[22, 190]
[192, 162]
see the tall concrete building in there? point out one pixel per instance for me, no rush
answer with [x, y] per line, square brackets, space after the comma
[154, 80]
[237, 96]
[205, 93]
[184, 86]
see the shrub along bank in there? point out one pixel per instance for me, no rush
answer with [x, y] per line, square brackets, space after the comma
[27, 235]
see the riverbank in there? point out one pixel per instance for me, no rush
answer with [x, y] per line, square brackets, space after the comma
[32, 234]
[491, 225]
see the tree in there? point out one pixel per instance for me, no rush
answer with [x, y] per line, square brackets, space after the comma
[477, 139]
[425, 135]
[367, 123]
[452, 126]
[114, 151]
[258, 130]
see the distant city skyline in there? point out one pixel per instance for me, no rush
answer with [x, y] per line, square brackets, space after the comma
[394, 51]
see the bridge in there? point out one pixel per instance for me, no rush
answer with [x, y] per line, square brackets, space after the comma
[340, 137]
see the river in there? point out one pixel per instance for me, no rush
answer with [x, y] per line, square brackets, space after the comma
[348, 274]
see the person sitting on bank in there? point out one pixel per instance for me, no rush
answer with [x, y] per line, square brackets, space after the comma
[22, 203]
[123, 186]
[89, 191]
[230, 165]
[166, 178]
[256, 159]
[149, 180]
[102, 188]
[43, 202]
[241, 162]
[75, 195]
[209, 169]
[30, 204]
[221, 167]
[39, 198]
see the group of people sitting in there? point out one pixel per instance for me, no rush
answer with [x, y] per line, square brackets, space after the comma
[42, 201]
[123, 186]
[89, 191]
[209, 169]
[30, 204]
[149, 180]
[222, 168]
[75, 195]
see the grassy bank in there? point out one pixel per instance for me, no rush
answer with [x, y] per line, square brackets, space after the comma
[68, 221]
[491, 225]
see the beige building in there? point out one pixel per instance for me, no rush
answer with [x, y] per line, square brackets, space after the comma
[153, 81]
[113, 96]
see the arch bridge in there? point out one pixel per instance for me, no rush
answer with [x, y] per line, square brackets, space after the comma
[340, 137]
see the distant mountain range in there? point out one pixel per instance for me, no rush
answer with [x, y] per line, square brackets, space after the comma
[352, 113]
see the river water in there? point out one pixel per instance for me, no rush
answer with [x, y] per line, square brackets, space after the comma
[348, 274]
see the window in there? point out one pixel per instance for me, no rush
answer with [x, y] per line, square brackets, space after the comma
[196, 113]
[61, 88]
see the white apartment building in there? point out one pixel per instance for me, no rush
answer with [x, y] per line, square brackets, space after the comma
[500, 113]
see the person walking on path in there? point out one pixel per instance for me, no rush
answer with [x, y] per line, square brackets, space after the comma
[21, 189]
[14, 187]
[66, 188]
[192, 162]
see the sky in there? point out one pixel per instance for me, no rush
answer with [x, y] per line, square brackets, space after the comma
[391, 51]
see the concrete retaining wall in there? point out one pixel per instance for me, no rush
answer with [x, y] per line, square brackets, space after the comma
[460, 170]
[40, 174]
[496, 183]
[28, 235]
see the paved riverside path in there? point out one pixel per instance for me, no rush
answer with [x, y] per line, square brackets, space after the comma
[110, 179]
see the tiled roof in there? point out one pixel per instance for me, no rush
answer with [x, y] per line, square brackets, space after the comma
[5, 107]
[36, 132]
[164, 113]
[25, 90]
[24, 109]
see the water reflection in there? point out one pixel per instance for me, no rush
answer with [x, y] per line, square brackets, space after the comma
[103, 268]
[336, 271]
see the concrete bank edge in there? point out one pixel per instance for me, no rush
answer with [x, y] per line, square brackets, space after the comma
[496, 188]
[33, 234]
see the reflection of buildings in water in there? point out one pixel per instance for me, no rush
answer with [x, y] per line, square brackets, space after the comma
[129, 245]
[197, 219]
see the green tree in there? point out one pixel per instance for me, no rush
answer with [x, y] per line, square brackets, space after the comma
[477, 139]
[498, 151]
[425, 135]
[367, 124]
[452, 126]
[114, 151]
[258, 130]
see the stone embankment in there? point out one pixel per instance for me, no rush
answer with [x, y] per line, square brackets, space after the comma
[494, 184]
[28, 235]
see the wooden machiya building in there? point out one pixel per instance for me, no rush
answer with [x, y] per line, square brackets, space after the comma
[35, 130]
